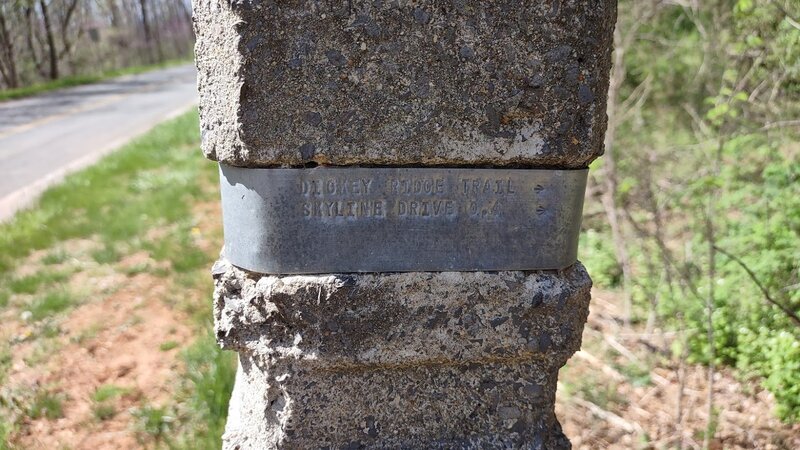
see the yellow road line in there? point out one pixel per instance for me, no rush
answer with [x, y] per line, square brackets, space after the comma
[94, 105]
[83, 108]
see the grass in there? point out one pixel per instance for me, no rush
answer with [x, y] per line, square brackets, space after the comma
[108, 392]
[104, 411]
[107, 254]
[51, 303]
[30, 284]
[155, 422]
[42, 351]
[103, 408]
[55, 257]
[167, 346]
[210, 374]
[77, 80]
[136, 269]
[176, 247]
[5, 363]
[46, 404]
[108, 202]
[5, 431]
[138, 199]
[50, 331]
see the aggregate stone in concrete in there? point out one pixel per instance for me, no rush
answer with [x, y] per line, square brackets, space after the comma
[410, 360]
[428, 82]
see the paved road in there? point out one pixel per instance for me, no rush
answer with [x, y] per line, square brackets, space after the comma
[45, 137]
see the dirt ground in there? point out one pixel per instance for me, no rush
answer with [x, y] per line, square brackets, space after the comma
[639, 414]
[113, 340]
[621, 391]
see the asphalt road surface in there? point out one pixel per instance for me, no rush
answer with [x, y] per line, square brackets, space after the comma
[43, 138]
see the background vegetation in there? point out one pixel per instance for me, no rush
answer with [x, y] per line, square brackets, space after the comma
[692, 216]
[64, 42]
[694, 211]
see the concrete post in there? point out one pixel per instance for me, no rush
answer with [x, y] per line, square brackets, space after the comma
[414, 359]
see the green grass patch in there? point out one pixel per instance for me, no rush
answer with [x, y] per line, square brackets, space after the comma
[210, 374]
[109, 392]
[78, 80]
[136, 269]
[51, 303]
[104, 411]
[102, 401]
[25, 285]
[88, 333]
[108, 254]
[155, 422]
[167, 346]
[5, 363]
[110, 201]
[55, 257]
[46, 404]
[50, 330]
[604, 395]
[5, 432]
[38, 88]
[139, 198]
[29, 284]
[178, 248]
[638, 374]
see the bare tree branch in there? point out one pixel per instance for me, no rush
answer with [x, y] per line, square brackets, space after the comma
[789, 313]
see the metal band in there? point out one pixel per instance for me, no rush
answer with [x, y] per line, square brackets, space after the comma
[352, 219]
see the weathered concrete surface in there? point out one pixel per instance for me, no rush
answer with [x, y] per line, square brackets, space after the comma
[429, 82]
[413, 360]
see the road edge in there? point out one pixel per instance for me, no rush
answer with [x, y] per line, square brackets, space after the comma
[27, 196]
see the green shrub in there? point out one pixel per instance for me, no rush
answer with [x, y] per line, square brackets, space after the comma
[597, 254]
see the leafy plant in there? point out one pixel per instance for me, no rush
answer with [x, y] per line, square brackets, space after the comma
[707, 170]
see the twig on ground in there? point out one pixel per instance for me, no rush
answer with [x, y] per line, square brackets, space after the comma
[610, 417]
[605, 368]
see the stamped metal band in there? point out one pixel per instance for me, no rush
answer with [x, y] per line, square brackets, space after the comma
[333, 220]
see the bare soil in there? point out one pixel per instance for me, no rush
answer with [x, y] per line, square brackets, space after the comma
[114, 340]
[623, 390]
[646, 414]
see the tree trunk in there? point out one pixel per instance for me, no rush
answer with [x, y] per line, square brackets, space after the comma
[148, 34]
[113, 8]
[51, 42]
[29, 13]
[65, 28]
[157, 32]
[186, 13]
[608, 197]
[8, 63]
